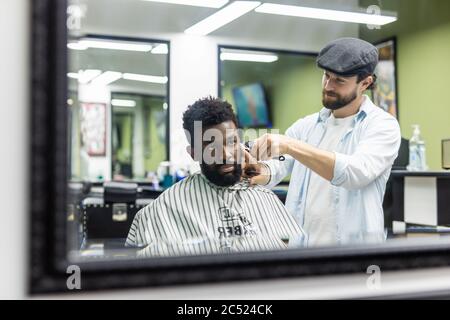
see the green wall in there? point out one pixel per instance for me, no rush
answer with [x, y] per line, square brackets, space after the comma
[125, 122]
[75, 137]
[423, 67]
[297, 93]
[293, 87]
[157, 149]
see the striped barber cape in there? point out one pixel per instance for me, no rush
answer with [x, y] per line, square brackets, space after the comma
[196, 217]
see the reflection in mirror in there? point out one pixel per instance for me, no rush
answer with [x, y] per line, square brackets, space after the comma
[118, 108]
[111, 130]
[279, 75]
[335, 187]
[138, 135]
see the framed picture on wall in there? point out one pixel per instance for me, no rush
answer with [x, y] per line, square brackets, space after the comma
[385, 92]
[93, 128]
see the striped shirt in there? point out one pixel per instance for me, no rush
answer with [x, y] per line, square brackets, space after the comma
[196, 216]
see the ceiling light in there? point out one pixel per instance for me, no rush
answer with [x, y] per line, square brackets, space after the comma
[145, 78]
[73, 75]
[115, 45]
[160, 49]
[222, 17]
[196, 3]
[76, 46]
[106, 78]
[123, 103]
[87, 75]
[325, 14]
[248, 57]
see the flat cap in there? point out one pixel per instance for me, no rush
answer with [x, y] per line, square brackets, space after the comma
[348, 57]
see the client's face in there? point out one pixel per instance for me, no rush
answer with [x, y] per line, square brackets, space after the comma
[221, 159]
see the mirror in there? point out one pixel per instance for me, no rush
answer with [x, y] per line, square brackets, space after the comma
[138, 135]
[128, 147]
[280, 79]
[118, 102]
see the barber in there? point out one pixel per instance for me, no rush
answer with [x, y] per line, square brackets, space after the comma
[340, 158]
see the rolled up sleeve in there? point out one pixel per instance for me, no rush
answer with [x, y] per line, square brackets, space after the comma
[278, 170]
[375, 153]
[281, 169]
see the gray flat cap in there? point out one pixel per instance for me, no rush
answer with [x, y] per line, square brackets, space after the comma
[348, 57]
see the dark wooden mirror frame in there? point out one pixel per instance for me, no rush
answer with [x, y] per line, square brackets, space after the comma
[47, 194]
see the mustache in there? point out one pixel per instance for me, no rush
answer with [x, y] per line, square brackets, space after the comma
[218, 165]
[330, 93]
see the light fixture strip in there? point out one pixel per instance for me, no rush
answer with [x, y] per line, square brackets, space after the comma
[145, 78]
[232, 56]
[106, 78]
[160, 49]
[325, 14]
[87, 75]
[123, 103]
[73, 75]
[222, 17]
[196, 3]
[114, 45]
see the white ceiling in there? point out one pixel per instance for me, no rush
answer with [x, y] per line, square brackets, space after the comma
[151, 20]
[124, 62]
[139, 17]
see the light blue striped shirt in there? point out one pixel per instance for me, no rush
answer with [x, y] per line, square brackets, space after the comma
[364, 158]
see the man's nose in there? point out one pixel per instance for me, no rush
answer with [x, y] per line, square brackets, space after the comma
[228, 154]
[327, 85]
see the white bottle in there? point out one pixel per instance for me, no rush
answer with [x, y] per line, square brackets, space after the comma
[417, 154]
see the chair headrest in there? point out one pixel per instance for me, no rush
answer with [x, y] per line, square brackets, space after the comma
[122, 192]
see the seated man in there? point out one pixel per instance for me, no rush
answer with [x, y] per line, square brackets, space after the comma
[215, 210]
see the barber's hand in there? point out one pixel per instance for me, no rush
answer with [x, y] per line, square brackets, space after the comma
[269, 146]
[255, 171]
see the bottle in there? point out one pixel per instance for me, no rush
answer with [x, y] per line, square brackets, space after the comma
[417, 154]
[180, 174]
[164, 172]
[153, 178]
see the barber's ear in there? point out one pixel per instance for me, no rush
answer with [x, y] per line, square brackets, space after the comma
[367, 82]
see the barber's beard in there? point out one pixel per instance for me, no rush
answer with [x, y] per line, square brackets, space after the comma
[212, 173]
[336, 101]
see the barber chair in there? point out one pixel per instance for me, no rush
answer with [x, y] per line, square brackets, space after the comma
[108, 220]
